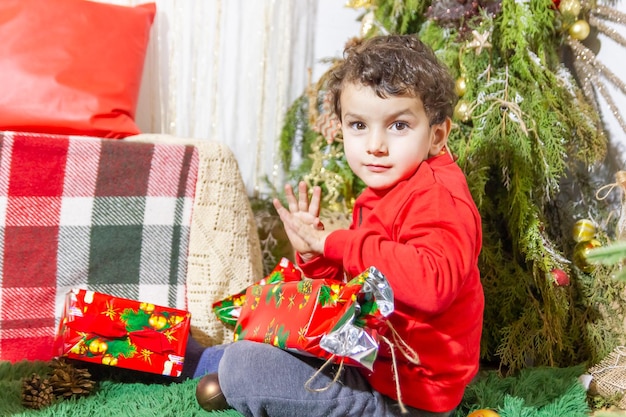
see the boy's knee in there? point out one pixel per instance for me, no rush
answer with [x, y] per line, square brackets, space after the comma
[238, 364]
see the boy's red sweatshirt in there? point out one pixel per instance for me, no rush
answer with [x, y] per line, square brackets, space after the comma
[424, 235]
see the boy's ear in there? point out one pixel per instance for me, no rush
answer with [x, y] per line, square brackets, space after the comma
[439, 136]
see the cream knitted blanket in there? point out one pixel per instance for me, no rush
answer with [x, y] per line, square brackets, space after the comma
[224, 249]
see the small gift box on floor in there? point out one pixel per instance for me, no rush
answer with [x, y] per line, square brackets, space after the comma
[325, 318]
[104, 329]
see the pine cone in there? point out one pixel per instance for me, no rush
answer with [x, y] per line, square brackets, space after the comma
[69, 381]
[37, 393]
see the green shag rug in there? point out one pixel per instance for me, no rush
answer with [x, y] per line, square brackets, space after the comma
[536, 392]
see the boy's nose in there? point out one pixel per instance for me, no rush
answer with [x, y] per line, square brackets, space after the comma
[376, 144]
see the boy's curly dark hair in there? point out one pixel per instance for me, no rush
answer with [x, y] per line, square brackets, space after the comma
[396, 65]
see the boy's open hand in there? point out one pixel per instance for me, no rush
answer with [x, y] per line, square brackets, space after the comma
[302, 223]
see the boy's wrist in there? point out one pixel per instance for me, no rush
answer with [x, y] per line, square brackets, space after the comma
[307, 257]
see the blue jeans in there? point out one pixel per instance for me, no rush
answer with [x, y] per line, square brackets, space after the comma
[260, 380]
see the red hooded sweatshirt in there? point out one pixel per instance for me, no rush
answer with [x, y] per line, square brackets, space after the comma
[425, 236]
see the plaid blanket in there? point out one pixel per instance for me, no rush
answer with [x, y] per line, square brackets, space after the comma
[77, 212]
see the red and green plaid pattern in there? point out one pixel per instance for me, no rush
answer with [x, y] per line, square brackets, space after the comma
[75, 212]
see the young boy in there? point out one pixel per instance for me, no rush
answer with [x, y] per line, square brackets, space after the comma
[416, 222]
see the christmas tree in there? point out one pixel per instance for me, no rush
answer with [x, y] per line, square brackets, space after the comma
[529, 137]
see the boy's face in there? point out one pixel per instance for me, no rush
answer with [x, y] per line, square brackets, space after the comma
[386, 139]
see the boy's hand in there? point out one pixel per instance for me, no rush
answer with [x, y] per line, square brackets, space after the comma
[302, 223]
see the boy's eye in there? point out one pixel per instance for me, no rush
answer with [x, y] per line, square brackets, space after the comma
[399, 125]
[358, 125]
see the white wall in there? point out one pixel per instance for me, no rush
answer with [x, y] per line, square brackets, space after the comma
[335, 25]
[613, 55]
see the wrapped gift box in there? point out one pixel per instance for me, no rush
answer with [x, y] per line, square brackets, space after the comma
[104, 329]
[228, 309]
[319, 317]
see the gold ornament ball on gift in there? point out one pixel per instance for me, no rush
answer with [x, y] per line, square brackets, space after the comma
[570, 7]
[460, 87]
[580, 254]
[98, 347]
[462, 111]
[175, 319]
[80, 348]
[584, 230]
[579, 30]
[109, 360]
[157, 321]
[483, 413]
[147, 307]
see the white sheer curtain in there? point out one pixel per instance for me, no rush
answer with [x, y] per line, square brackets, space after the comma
[227, 70]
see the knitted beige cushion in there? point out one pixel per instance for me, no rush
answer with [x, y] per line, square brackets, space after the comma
[224, 247]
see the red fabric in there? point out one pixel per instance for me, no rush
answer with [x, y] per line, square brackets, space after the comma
[424, 236]
[27, 281]
[72, 66]
[59, 230]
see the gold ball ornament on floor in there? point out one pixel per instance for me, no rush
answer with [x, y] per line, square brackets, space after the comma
[483, 413]
[579, 30]
[209, 394]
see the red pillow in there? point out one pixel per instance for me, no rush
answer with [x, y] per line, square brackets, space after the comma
[72, 66]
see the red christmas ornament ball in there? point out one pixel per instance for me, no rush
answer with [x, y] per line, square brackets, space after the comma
[560, 277]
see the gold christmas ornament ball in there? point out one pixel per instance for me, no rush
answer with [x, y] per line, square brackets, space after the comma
[79, 348]
[460, 86]
[175, 319]
[580, 254]
[579, 30]
[98, 347]
[109, 360]
[209, 394]
[583, 230]
[483, 413]
[157, 321]
[147, 307]
[463, 111]
[570, 7]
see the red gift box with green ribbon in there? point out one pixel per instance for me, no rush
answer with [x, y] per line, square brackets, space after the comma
[228, 309]
[324, 318]
[100, 328]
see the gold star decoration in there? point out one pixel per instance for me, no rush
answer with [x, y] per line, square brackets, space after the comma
[292, 301]
[480, 41]
[110, 311]
[302, 334]
[146, 355]
[169, 334]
